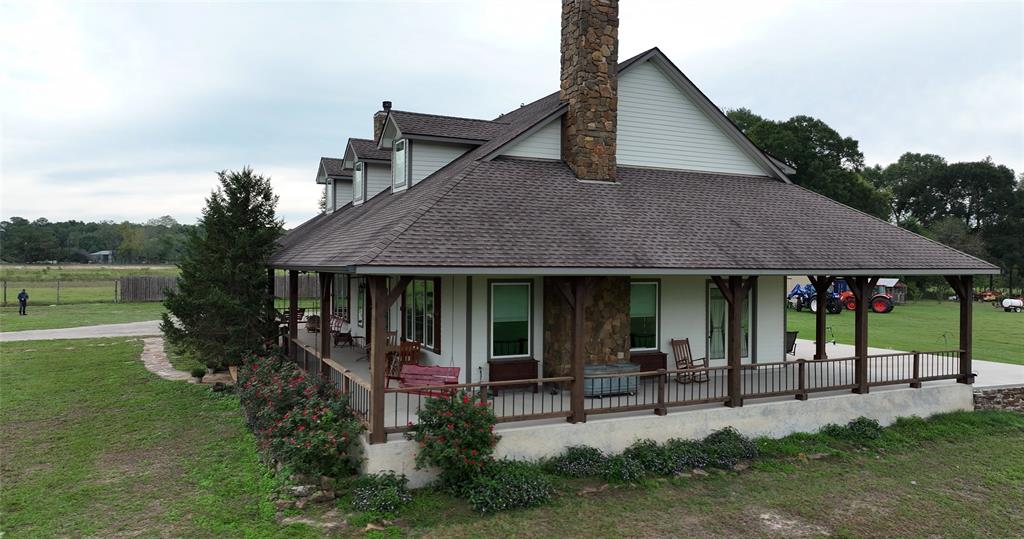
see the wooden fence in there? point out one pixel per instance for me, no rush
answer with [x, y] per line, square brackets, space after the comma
[144, 288]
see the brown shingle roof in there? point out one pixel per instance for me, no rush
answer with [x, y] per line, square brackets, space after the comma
[334, 167]
[367, 149]
[433, 125]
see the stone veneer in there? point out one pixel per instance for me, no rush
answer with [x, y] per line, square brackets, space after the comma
[605, 324]
[378, 123]
[1001, 398]
[590, 51]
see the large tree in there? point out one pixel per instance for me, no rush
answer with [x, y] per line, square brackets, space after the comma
[223, 307]
[825, 161]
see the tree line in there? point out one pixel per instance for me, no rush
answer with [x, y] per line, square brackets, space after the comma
[159, 240]
[975, 206]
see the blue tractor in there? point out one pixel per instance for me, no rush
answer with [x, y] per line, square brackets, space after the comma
[805, 297]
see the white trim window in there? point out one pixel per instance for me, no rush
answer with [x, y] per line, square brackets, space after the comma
[643, 315]
[511, 319]
[399, 168]
[357, 183]
[422, 307]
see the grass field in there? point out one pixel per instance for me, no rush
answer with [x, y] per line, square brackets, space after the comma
[87, 314]
[79, 272]
[928, 325]
[93, 445]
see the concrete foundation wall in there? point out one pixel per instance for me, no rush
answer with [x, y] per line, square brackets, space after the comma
[613, 434]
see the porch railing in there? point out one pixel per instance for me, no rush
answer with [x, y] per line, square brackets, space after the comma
[657, 390]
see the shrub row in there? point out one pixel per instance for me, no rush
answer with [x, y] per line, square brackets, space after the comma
[720, 449]
[301, 421]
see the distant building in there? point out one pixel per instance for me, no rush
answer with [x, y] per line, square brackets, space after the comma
[102, 257]
[894, 287]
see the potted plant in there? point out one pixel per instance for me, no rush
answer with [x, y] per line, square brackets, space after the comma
[197, 374]
[313, 323]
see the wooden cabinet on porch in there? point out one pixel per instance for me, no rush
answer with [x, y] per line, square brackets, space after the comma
[503, 370]
[649, 360]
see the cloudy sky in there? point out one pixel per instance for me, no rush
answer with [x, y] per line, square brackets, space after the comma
[124, 111]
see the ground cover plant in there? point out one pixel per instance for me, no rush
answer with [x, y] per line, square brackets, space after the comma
[926, 326]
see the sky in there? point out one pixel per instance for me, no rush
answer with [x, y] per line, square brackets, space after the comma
[125, 111]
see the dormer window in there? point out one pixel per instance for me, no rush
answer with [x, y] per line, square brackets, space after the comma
[357, 183]
[399, 170]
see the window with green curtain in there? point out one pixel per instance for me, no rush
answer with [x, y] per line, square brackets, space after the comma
[510, 319]
[643, 316]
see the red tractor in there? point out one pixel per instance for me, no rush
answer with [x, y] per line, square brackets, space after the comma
[880, 302]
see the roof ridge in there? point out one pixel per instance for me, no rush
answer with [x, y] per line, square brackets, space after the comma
[451, 117]
[412, 216]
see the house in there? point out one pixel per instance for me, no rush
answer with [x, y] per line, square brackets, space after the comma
[337, 182]
[594, 226]
[894, 287]
[102, 257]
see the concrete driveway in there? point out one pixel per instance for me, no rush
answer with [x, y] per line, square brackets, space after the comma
[130, 329]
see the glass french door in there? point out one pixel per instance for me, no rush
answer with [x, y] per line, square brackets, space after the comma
[718, 324]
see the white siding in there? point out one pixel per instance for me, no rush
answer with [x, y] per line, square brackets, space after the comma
[658, 126]
[378, 178]
[342, 193]
[428, 157]
[771, 318]
[545, 143]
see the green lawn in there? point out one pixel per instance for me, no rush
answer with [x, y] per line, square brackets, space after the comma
[86, 314]
[93, 445]
[928, 325]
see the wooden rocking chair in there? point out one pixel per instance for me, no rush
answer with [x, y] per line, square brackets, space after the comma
[685, 361]
[408, 354]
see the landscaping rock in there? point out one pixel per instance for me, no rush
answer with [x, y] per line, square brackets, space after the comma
[321, 497]
[284, 504]
[700, 472]
[301, 491]
[326, 483]
[740, 466]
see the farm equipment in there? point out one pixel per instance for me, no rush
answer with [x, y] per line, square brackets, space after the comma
[1013, 305]
[879, 303]
[805, 297]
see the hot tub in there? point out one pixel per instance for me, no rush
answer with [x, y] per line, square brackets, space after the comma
[603, 387]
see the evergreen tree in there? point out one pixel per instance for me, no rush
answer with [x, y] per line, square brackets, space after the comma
[223, 308]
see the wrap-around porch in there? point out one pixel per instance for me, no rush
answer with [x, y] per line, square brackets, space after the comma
[387, 406]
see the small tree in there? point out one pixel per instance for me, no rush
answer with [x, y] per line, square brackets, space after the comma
[222, 308]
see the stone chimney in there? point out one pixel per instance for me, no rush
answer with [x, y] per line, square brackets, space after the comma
[378, 120]
[590, 53]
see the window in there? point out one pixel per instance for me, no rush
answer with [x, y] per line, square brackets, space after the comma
[341, 304]
[357, 182]
[361, 302]
[421, 308]
[643, 315]
[510, 319]
[399, 178]
[329, 187]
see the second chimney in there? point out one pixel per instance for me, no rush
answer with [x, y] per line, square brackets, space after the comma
[378, 120]
[590, 51]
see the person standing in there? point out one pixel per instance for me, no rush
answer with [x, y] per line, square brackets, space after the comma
[22, 302]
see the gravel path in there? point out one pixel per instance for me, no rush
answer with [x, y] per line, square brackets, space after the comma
[130, 329]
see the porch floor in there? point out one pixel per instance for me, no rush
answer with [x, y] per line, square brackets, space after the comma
[401, 408]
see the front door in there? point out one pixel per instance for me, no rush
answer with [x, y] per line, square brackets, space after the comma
[718, 324]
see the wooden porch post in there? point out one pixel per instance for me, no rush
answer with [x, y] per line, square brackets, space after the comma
[381, 300]
[821, 284]
[326, 282]
[963, 285]
[293, 311]
[734, 290]
[861, 287]
[579, 414]
[271, 294]
[378, 336]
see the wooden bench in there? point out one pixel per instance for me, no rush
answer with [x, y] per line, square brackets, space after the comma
[412, 376]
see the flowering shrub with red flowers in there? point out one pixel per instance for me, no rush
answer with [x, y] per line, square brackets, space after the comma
[455, 434]
[302, 421]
